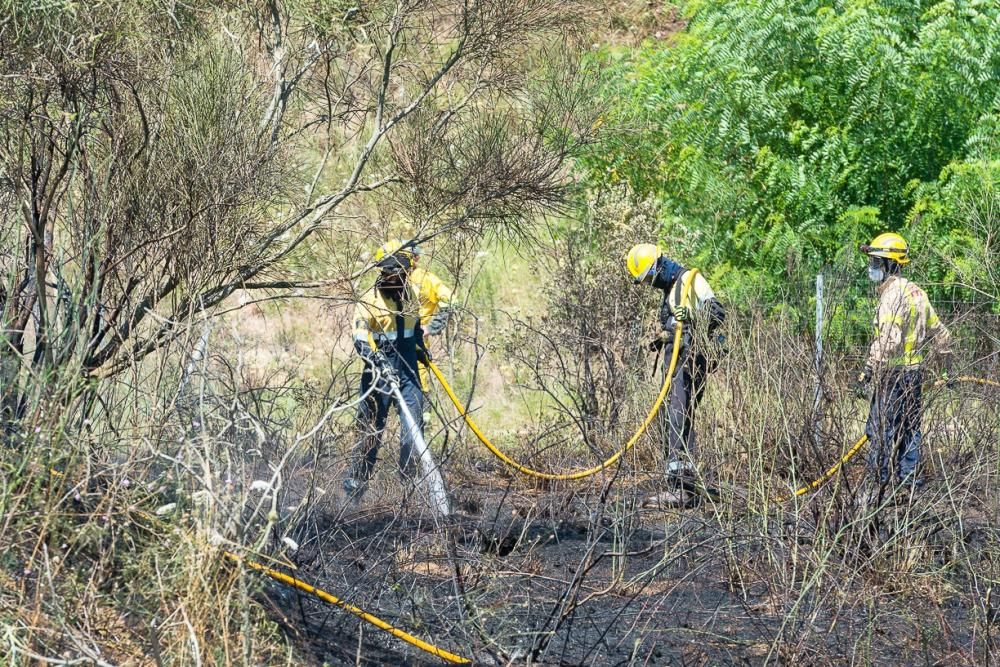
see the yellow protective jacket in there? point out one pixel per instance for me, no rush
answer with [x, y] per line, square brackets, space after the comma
[708, 313]
[393, 327]
[904, 325]
[432, 290]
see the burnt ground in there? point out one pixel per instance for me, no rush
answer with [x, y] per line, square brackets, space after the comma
[582, 574]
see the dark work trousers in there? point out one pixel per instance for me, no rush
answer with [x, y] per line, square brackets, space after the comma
[371, 418]
[894, 425]
[676, 416]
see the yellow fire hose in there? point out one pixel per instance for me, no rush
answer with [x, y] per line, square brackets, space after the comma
[969, 378]
[456, 659]
[816, 483]
[856, 447]
[332, 599]
[346, 606]
[579, 474]
[459, 660]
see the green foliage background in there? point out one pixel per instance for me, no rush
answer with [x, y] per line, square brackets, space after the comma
[780, 133]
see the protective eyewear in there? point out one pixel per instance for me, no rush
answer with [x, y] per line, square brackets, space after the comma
[869, 249]
[647, 276]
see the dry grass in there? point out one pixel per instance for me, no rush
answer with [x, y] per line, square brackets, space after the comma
[117, 558]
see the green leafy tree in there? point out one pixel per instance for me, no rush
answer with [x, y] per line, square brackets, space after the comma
[786, 130]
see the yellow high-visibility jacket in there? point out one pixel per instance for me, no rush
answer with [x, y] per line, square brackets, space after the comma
[432, 290]
[708, 314]
[376, 315]
[904, 325]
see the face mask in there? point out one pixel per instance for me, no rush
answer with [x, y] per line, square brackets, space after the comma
[392, 284]
[875, 275]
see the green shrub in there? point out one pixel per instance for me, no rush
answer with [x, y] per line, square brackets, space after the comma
[785, 131]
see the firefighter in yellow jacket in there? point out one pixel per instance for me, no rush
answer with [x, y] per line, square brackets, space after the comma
[434, 295]
[701, 347]
[906, 329]
[389, 338]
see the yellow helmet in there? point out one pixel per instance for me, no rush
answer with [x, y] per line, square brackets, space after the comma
[888, 245]
[390, 247]
[641, 261]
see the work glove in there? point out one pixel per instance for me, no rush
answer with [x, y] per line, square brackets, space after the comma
[657, 343]
[424, 355]
[682, 313]
[438, 322]
[719, 343]
[863, 383]
[385, 369]
[378, 359]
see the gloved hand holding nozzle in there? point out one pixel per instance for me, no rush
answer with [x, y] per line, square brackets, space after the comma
[385, 368]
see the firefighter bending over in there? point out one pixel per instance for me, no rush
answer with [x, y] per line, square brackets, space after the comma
[701, 348]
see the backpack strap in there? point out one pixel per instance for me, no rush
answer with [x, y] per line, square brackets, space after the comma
[679, 289]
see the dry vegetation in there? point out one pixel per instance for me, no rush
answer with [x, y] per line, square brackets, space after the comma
[177, 383]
